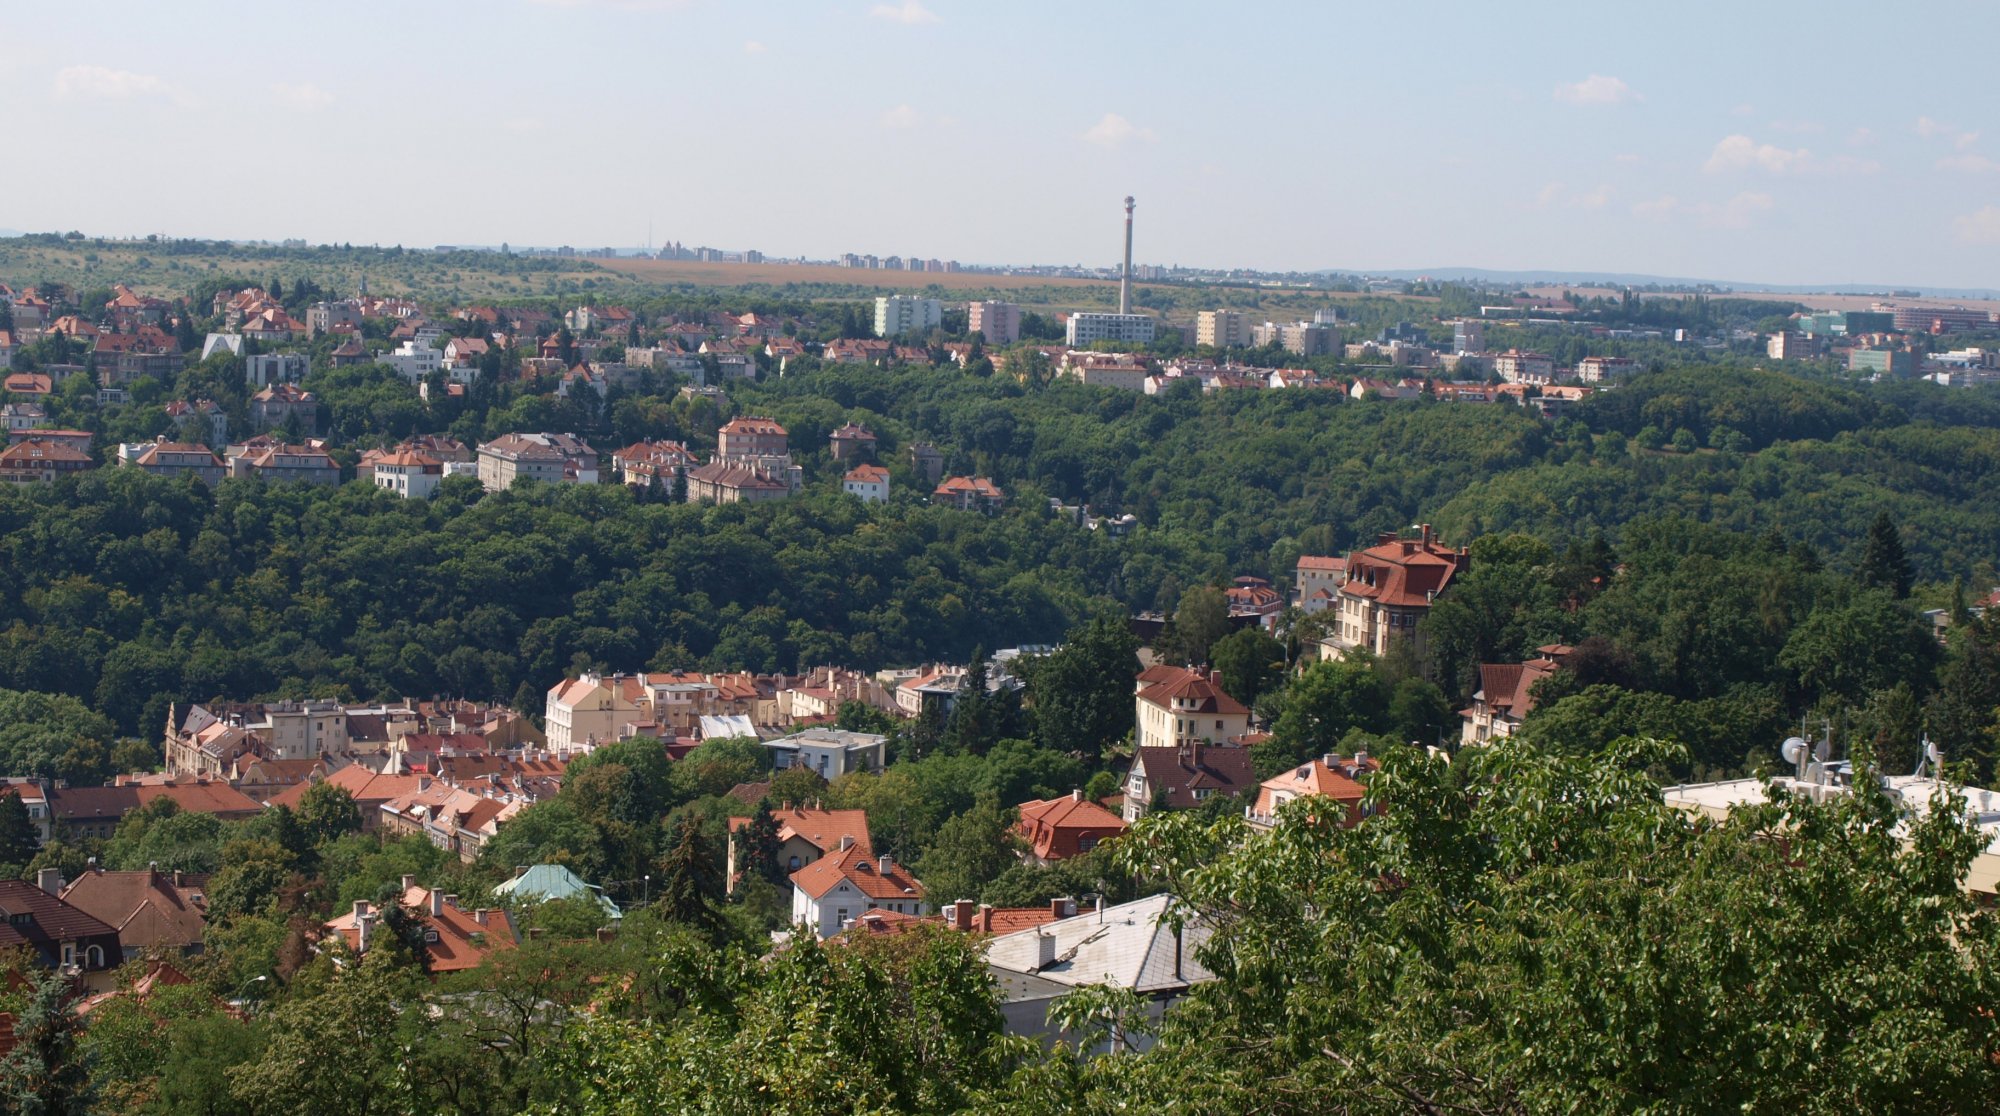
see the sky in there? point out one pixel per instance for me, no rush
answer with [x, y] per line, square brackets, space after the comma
[1755, 142]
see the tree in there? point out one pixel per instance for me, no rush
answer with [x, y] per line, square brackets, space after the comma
[47, 1073]
[1321, 706]
[972, 727]
[689, 877]
[19, 839]
[757, 846]
[360, 1013]
[1573, 928]
[1250, 662]
[1883, 563]
[1201, 619]
[969, 852]
[327, 813]
[1082, 691]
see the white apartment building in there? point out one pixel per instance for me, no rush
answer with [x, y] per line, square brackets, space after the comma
[266, 369]
[1128, 329]
[1222, 329]
[414, 360]
[899, 314]
[869, 482]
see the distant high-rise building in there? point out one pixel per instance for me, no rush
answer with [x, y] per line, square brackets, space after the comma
[1222, 329]
[899, 314]
[1000, 322]
[1468, 335]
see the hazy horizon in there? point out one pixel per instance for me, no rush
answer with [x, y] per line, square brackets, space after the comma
[1721, 145]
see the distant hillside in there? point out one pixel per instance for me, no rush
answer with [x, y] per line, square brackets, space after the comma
[1634, 279]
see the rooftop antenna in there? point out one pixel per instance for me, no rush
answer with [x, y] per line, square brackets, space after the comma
[1928, 754]
[1125, 278]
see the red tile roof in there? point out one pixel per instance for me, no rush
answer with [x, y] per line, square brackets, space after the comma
[862, 869]
[1054, 826]
[151, 909]
[1164, 685]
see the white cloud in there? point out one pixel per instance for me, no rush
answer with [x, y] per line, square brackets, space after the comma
[1740, 151]
[1861, 137]
[1737, 212]
[1657, 209]
[1981, 227]
[1597, 89]
[1966, 140]
[1970, 164]
[304, 96]
[902, 116]
[1114, 130]
[1937, 129]
[115, 85]
[753, 47]
[908, 12]
[1555, 193]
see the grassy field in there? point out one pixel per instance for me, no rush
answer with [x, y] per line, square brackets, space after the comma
[1814, 301]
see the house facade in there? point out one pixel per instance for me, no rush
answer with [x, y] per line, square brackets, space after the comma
[1387, 589]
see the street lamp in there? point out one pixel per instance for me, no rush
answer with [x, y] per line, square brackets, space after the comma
[646, 896]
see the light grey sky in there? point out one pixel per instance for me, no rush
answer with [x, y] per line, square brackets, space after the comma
[1769, 141]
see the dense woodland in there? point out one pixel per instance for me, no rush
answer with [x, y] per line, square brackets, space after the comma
[1733, 551]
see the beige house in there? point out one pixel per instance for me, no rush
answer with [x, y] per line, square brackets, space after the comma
[1177, 706]
[549, 458]
[592, 709]
[1386, 589]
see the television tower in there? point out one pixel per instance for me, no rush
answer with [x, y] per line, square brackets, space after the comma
[1125, 278]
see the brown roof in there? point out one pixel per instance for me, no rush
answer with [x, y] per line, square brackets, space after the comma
[868, 474]
[733, 476]
[200, 796]
[45, 918]
[822, 829]
[752, 425]
[1182, 771]
[462, 940]
[1041, 821]
[151, 909]
[369, 789]
[1404, 573]
[33, 452]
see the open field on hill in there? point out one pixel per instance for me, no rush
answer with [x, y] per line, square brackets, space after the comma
[1814, 301]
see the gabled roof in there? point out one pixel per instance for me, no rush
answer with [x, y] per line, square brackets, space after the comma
[1042, 821]
[1129, 946]
[462, 940]
[44, 918]
[868, 474]
[822, 829]
[368, 788]
[1166, 686]
[1183, 771]
[543, 882]
[151, 909]
[861, 869]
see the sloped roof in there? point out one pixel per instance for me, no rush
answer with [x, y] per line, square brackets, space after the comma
[1182, 772]
[859, 867]
[149, 909]
[369, 788]
[544, 882]
[822, 829]
[48, 919]
[463, 942]
[1177, 684]
[1128, 946]
[1041, 821]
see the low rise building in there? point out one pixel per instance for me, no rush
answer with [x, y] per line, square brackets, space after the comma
[409, 474]
[173, 459]
[548, 458]
[39, 462]
[454, 939]
[1340, 781]
[970, 494]
[1388, 588]
[832, 892]
[830, 753]
[869, 482]
[1061, 828]
[1177, 706]
[1181, 778]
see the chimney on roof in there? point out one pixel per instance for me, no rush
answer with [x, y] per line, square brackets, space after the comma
[846, 841]
[478, 915]
[437, 902]
[1064, 907]
[1329, 758]
[1076, 794]
[959, 917]
[1425, 533]
[50, 880]
[885, 864]
[1215, 679]
[409, 882]
[1045, 950]
[180, 878]
[986, 918]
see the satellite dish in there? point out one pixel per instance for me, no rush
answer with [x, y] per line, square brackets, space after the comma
[1792, 749]
[1931, 752]
[1823, 751]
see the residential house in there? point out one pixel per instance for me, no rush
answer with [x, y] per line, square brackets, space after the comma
[1506, 695]
[1134, 947]
[22, 416]
[199, 417]
[349, 353]
[28, 383]
[85, 812]
[1060, 828]
[154, 912]
[40, 462]
[278, 463]
[1253, 600]
[549, 458]
[270, 408]
[830, 752]
[451, 818]
[462, 356]
[1388, 588]
[413, 360]
[455, 939]
[1517, 367]
[1597, 369]
[869, 482]
[173, 459]
[542, 883]
[409, 474]
[35, 797]
[1176, 706]
[59, 935]
[1330, 776]
[969, 494]
[833, 891]
[719, 482]
[654, 466]
[371, 790]
[1316, 583]
[852, 442]
[805, 834]
[592, 709]
[1186, 776]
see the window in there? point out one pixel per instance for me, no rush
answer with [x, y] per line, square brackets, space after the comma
[794, 864]
[93, 957]
[69, 953]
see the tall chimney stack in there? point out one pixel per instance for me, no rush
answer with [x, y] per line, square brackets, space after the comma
[1125, 279]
